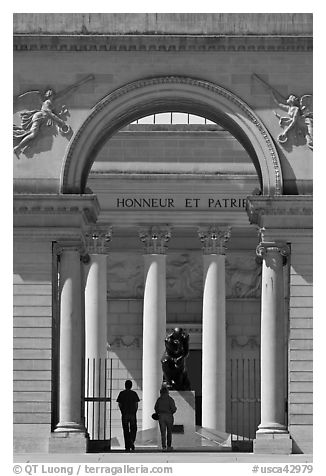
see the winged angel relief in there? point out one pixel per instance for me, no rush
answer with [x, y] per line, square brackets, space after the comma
[44, 114]
[299, 118]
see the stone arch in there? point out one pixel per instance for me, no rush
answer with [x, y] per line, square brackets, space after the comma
[162, 94]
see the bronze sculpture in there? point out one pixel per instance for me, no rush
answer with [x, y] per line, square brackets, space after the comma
[173, 361]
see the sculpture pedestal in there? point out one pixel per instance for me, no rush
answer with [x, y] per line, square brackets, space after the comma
[183, 433]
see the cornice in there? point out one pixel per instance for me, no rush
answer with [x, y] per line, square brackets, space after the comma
[161, 43]
[55, 210]
[288, 211]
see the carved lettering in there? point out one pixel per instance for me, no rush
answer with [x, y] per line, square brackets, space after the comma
[227, 203]
[192, 202]
[178, 202]
[145, 203]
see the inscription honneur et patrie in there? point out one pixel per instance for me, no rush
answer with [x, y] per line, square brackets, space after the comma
[186, 202]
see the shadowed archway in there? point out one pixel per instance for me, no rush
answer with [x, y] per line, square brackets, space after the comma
[162, 94]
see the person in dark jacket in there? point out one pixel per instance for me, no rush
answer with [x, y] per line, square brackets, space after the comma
[165, 408]
[128, 404]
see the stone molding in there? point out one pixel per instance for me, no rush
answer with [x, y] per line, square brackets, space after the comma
[55, 210]
[154, 90]
[244, 341]
[214, 239]
[161, 43]
[155, 239]
[267, 211]
[124, 341]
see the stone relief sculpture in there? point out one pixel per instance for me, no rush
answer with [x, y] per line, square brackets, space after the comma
[184, 276]
[125, 275]
[44, 114]
[173, 361]
[299, 117]
[243, 277]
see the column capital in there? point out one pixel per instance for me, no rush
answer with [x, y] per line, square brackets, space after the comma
[97, 239]
[214, 239]
[266, 247]
[155, 238]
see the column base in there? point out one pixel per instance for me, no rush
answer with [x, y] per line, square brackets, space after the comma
[69, 426]
[68, 442]
[272, 443]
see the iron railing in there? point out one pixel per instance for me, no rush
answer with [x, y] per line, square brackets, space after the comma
[245, 399]
[98, 396]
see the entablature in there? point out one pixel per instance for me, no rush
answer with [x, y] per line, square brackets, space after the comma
[287, 211]
[47, 210]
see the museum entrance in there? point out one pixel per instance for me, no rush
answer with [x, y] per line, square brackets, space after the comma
[189, 172]
[173, 195]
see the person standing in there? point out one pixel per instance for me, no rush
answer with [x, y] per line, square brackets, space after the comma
[165, 408]
[128, 404]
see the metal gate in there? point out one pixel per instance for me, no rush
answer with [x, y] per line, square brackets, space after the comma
[244, 402]
[98, 403]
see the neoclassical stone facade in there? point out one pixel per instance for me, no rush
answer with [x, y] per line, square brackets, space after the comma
[126, 228]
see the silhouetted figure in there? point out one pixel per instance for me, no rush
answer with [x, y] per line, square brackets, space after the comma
[165, 408]
[128, 404]
[174, 360]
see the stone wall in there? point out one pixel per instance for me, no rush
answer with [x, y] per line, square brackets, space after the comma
[32, 346]
[301, 344]
[173, 149]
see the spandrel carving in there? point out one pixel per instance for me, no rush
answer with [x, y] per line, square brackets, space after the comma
[43, 112]
[299, 118]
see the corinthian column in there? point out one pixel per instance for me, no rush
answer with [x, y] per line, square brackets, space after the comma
[154, 317]
[214, 329]
[71, 340]
[95, 270]
[272, 429]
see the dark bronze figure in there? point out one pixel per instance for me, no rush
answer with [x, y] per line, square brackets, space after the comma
[174, 360]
